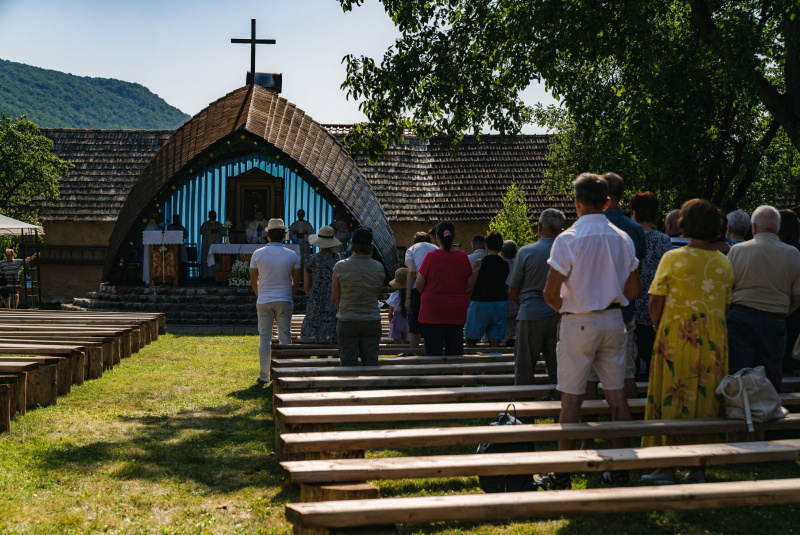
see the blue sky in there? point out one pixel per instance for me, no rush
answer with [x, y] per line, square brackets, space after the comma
[181, 49]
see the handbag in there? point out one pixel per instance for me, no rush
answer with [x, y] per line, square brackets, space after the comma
[750, 396]
[506, 483]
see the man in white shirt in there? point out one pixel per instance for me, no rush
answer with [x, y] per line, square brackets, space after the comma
[478, 249]
[414, 257]
[593, 274]
[274, 277]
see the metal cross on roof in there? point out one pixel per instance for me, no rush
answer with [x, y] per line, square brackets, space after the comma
[253, 42]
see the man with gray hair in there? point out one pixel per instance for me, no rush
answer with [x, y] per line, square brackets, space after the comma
[766, 288]
[537, 323]
[738, 225]
[673, 230]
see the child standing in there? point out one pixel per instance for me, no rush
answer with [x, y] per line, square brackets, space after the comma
[398, 321]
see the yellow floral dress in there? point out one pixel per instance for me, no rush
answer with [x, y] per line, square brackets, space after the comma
[690, 355]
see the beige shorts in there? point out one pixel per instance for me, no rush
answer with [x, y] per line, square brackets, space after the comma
[630, 355]
[594, 340]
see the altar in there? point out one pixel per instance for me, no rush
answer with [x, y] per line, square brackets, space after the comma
[228, 251]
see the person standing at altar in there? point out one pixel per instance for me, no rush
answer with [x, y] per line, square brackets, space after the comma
[341, 229]
[211, 232]
[274, 277]
[155, 222]
[176, 225]
[255, 229]
[299, 231]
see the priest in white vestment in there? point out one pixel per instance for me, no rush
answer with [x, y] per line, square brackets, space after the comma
[255, 230]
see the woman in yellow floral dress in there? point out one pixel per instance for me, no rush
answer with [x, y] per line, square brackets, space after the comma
[688, 300]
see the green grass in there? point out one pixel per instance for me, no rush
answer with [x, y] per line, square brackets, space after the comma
[178, 439]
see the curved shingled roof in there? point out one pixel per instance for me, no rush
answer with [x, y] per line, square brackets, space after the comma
[298, 138]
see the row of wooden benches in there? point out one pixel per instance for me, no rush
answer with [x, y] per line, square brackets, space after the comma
[44, 353]
[332, 472]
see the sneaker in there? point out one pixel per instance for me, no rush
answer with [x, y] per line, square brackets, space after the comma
[696, 476]
[616, 478]
[552, 481]
[660, 478]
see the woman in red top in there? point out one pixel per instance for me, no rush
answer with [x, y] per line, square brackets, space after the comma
[444, 280]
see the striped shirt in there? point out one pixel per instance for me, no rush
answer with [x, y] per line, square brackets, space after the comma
[10, 269]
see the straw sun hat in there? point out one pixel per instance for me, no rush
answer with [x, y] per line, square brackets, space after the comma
[276, 223]
[399, 281]
[324, 239]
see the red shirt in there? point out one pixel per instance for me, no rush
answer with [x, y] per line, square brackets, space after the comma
[445, 298]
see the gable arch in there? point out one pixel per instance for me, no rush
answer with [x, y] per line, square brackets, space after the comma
[247, 120]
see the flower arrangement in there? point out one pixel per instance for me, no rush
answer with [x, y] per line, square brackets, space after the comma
[240, 274]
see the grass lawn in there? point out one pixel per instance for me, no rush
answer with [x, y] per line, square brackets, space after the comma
[178, 439]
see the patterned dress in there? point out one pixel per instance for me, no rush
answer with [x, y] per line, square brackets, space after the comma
[690, 356]
[319, 324]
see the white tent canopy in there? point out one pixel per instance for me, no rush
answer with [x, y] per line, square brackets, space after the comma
[13, 227]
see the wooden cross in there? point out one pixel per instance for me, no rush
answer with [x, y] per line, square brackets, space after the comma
[253, 42]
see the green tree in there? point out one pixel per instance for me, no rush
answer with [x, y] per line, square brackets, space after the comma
[689, 97]
[29, 171]
[512, 221]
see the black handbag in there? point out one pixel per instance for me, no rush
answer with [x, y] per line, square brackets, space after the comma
[507, 483]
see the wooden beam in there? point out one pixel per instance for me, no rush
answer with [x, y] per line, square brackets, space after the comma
[483, 507]
[459, 436]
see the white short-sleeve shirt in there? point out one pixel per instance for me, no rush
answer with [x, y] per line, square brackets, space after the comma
[417, 253]
[597, 258]
[275, 264]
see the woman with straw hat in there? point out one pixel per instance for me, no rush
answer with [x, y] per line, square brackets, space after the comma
[319, 324]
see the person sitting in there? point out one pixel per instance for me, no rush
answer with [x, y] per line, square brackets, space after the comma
[357, 283]
[254, 230]
[488, 303]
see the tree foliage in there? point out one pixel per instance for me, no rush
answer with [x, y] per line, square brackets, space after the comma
[685, 97]
[29, 171]
[513, 221]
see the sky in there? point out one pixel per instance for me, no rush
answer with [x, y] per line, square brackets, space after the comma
[181, 50]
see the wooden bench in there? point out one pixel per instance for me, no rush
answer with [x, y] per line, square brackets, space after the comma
[397, 369]
[316, 419]
[21, 371]
[353, 444]
[127, 339]
[110, 345]
[326, 362]
[333, 351]
[75, 358]
[40, 380]
[150, 324]
[319, 518]
[95, 362]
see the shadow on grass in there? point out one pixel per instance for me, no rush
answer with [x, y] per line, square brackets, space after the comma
[222, 448]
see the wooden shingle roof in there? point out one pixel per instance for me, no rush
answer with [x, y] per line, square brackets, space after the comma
[107, 164]
[414, 181]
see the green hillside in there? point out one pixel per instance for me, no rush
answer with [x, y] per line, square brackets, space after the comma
[54, 99]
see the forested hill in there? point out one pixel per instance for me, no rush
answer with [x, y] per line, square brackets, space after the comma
[54, 99]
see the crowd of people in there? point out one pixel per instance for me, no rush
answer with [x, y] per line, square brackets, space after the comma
[606, 300]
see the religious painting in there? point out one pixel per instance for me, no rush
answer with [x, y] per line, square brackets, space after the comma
[255, 199]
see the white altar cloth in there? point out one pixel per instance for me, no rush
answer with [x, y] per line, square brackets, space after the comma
[240, 248]
[157, 237]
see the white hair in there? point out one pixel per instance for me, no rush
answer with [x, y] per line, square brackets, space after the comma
[552, 220]
[767, 219]
[739, 222]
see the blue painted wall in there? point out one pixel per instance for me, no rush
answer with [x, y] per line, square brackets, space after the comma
[207, 191]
